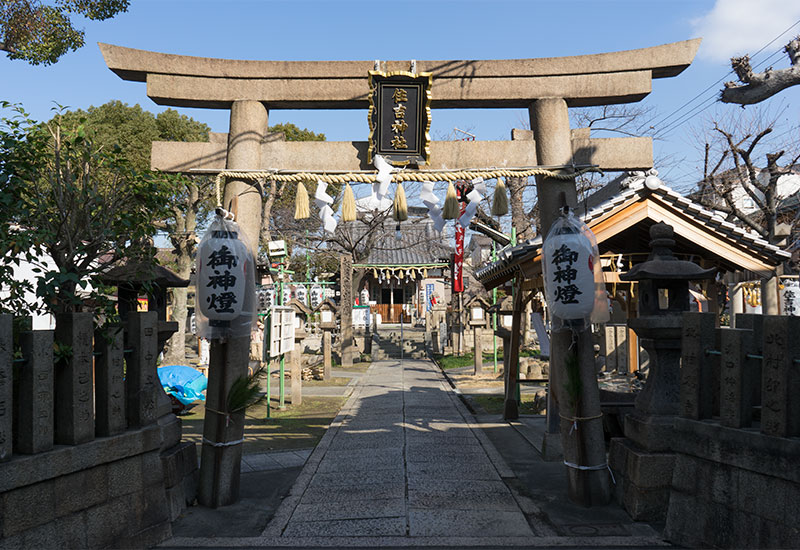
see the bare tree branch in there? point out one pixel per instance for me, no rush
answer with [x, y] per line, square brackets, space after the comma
[757, 87]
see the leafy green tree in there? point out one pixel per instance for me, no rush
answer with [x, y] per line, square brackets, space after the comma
[79, 203]
[40, 33]
[132, 129]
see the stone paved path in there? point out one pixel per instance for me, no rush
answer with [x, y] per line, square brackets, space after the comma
[403, 465]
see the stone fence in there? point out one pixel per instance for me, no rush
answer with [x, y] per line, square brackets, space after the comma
[736, 483]
[90, 452]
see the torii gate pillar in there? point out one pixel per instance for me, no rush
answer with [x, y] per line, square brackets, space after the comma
[585, 446]
[229, 360]
[248, 128]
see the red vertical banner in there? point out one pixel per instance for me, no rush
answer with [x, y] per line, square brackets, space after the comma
[458, 262]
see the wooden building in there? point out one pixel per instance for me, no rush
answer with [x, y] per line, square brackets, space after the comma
[620, 216]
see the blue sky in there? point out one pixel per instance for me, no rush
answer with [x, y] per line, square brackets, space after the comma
[433, 29]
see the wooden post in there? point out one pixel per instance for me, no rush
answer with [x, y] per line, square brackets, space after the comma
[511, 407]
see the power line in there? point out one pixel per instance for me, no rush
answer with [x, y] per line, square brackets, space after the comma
[663, 119]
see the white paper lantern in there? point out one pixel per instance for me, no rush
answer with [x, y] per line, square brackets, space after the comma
[287, 294]
[316, 296]
[221, 262]
[790, 298]
[569, 275]
[300, 293]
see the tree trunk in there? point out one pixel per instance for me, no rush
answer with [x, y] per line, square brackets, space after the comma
[183, 239]
[519, 218]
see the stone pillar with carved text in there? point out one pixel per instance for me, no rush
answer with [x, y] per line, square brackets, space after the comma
[74, 401]
[346, 308]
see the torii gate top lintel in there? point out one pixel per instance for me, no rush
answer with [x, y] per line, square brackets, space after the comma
[596, 79]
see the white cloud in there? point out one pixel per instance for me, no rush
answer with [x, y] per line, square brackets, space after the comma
[738, 27]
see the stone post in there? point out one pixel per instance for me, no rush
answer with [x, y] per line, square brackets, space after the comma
[33, 398]
[346, 308]
[74, 417]
[736, 378]
[141, 379]
[780, 411]
[220, 463]
[769, 294]
[696, 377]
[6, 385]
[327, 338]
[549, 119]
[109, 370]
[477, 349]
[296, 382]
[296, 366]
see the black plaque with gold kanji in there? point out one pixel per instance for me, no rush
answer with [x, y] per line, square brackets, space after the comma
[400, 117]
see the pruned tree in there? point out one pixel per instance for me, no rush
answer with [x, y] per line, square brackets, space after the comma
[730, 172]
[756, 87]
[41, 33]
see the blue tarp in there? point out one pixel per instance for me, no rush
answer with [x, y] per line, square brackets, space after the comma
[184, 383]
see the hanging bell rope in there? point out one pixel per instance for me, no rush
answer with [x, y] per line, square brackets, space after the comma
[400, 206]
[451, 208]
[500, 199]
[301, 209]
[348, 204]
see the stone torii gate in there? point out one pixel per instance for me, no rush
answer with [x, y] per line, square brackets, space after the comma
[546, 87]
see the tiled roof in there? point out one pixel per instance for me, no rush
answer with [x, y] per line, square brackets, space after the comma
[419, 245]
[633, 189]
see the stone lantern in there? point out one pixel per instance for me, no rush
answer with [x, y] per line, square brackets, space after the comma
[327, 310]
[302, 314]
[642, 460]
[478, 314]
[134, 279]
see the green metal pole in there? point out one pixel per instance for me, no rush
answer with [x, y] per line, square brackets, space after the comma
[281, 372]
[513, 298]
[494, 315]
[269, 389]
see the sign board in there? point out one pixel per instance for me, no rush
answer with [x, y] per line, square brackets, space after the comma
[400, 117]
[360, 316]
[281, 330]
[276, 249]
